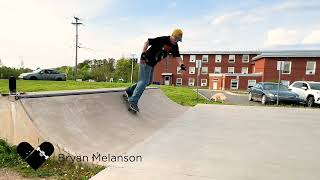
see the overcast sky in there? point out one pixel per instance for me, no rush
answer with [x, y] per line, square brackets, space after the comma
[40, 33]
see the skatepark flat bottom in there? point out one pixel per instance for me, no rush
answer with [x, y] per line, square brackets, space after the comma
[229, 143]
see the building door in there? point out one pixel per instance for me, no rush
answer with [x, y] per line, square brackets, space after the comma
[215, 84]
[167, 80]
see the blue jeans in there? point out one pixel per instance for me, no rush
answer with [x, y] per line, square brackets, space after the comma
[145, 79]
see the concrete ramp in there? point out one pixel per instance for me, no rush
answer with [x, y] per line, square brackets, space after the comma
[97, 122]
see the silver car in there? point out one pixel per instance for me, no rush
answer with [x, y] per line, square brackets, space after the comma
[44, 74]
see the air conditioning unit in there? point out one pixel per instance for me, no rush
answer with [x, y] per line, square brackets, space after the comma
[310, 72]
[203, 84]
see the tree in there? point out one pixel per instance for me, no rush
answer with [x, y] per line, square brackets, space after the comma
[123, 69]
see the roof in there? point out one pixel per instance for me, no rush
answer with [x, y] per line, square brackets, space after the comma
[291, 53]
[218, 52]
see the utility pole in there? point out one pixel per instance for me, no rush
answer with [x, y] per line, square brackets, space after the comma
[77, 23]
[132, 68]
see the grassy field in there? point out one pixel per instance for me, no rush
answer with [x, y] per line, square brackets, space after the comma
[184, 96]
[35, 86]
[53, 169]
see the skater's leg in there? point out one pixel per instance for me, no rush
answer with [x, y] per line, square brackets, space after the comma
[144, 79]
[151, 77]
[130, 89]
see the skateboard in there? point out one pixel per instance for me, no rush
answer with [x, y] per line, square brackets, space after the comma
[125, 98]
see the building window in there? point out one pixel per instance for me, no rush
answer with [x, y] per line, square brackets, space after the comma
[204, 82]
[234, 84]
[251, 83]
[191, 82]
[245, 58]
[192, 70]
[311, 68]
[232, 58]
[244, 70]
[286, 83]
[204, 70]
[192, 58]
[231, 70]
[179, 81]
[217, 70]
[178, 70]
[218, 59]
[286, 67]
[205, 58]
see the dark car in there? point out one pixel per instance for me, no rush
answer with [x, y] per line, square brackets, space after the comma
[267, 92]
[44, 74]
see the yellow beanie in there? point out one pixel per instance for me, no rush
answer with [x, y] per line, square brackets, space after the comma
[177, 33]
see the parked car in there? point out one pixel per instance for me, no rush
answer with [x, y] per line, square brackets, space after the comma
[44, 74]
[309, 91]
[267, 92]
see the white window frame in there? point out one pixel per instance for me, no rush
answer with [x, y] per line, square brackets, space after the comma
[192, 80]
[232, 70]
[245, 60]
[181, 56]
[233, 80]
[246, 72]
[192, 58]
[215, 72]
[178, 84]
[230, 58]
[205, 57]
[218, 60]
[179, 70]
[204, 84]
[192, 71]
[314, 68]
[255, 82]
[203, 69]
[289, 67]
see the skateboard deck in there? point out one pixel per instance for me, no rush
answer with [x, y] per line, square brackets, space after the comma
[125, 98]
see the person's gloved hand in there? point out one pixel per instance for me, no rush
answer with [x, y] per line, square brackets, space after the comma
[143, 56]
[183, 67]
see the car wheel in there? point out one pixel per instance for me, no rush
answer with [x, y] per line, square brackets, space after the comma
[33, 78]
[264, 100]
[250, 96]
[310, 101]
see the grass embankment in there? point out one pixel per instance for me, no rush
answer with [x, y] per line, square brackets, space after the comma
[52, 169]
[184, 96]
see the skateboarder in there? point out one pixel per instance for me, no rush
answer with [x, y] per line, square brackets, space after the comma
[159, 49]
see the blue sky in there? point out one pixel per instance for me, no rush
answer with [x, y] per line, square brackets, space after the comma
[45, 37]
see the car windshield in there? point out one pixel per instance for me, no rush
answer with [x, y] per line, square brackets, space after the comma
[36, 71]
[274, 87]
[315, 86]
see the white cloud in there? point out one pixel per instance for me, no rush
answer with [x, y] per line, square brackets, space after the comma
[40, 32]
[172, 4]
[312, 38]
[226, 18]
[282, 36]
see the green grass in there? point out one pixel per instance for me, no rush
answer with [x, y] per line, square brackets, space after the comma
[36, 86]
[184, 96]
[9, 159]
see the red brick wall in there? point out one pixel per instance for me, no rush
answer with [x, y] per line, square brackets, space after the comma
[298, 70]
[160, 67]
